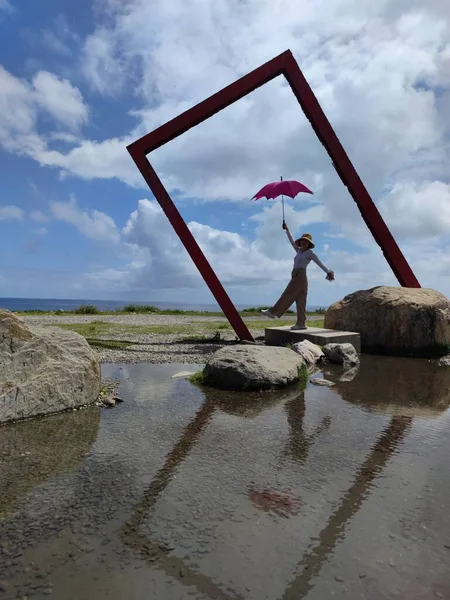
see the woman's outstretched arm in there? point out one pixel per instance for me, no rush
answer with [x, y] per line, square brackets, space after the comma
[291, 239]
[318, 262]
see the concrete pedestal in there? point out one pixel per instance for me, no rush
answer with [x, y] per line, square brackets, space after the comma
[280, 336]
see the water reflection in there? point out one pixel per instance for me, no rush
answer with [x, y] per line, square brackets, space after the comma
[395, 386]
[362, 389]
[247, 405]
[220, 452]
[311, 563]
[301, 441]
[33, 451]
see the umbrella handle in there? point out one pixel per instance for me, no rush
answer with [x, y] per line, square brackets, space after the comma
[282, 204]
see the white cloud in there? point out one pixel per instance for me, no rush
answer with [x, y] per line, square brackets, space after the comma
[60, 98]
[38, 216]
[41, 231]
[419, 209]
[94, 224]
[21, 103]
[10, 212]
[252, 271]
[381, 71]
[373, 68]
[160, 262]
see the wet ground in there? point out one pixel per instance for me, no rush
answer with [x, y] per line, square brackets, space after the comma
[182, 492]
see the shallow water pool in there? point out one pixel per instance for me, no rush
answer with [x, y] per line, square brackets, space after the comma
[184, 492]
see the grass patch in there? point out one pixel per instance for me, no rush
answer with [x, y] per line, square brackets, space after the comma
[198, 378]
[91, 309]
[108, 344]
[303, 377]
[94, 329]
[257, 310]
[202, 339]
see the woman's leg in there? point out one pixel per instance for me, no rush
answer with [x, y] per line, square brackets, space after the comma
[300, 300]
[289, 295]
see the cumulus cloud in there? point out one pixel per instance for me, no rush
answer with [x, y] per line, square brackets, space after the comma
[38, 216]
[381, 71]
[419, 209]
[60, 98]
[94, 224]
[10, 212]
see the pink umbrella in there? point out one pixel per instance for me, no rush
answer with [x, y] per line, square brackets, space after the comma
[281, 188]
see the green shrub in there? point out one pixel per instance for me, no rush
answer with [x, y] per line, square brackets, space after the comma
[140, 308]
[87, 309]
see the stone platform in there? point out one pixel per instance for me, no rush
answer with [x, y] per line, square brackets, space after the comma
[280, 336]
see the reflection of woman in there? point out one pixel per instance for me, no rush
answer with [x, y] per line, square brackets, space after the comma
[299, 441]
[297, 289]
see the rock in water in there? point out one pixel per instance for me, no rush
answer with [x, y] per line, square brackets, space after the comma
[252, 367]
[395, 320]
[444, 361]
[322, 382]
[342, 354]
[43, 370]
[311, 353]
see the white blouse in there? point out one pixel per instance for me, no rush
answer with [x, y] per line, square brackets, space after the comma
[302, 260]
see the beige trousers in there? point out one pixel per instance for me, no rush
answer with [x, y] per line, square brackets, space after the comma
[296, 291]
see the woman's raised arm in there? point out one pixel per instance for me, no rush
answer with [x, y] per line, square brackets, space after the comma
[290, 238]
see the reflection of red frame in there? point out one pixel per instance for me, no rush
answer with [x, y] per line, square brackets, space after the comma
[284, 64]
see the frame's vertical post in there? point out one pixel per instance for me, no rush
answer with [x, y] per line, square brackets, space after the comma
[348, 174]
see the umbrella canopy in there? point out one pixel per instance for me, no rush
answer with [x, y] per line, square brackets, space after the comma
[281, 188]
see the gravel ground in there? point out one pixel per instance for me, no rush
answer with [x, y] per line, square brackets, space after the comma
[155, 347]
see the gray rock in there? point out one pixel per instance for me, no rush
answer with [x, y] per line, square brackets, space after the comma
[341, 354]
[43, 370]
[322, 382]
[395, 320]
[252, 367]
[311, 353]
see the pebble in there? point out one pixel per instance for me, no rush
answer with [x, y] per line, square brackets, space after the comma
[339, 578]
[439, 594]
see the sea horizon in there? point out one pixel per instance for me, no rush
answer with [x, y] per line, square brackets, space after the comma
[69, 304]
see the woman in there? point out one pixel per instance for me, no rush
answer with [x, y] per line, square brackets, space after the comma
[297, 289]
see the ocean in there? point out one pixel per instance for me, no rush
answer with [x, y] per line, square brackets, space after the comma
[50, 304]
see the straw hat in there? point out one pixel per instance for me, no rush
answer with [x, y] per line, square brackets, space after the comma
[308, 238]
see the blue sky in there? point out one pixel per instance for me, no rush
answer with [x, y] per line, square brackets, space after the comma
[80, 81]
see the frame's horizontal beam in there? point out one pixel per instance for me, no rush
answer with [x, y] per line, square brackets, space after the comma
[212, 105]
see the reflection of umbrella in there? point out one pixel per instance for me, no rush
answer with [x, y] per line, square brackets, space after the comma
[282, 502]
[281, 188]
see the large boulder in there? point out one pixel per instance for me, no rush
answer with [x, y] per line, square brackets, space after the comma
[43, 370]
[252, 367]
[395, 320]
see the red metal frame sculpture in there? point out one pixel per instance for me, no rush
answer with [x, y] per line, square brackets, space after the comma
[284, 64]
